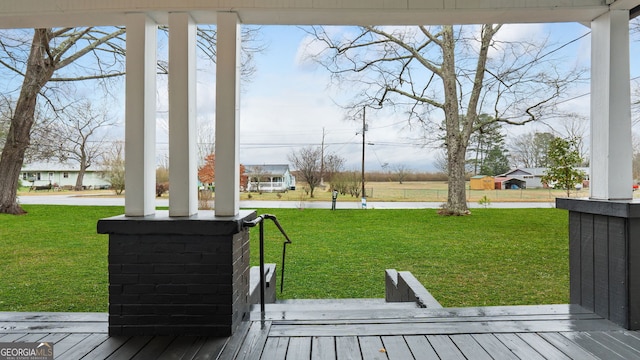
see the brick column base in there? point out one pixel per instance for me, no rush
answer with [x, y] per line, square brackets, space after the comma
[604, 258]
[177, 275]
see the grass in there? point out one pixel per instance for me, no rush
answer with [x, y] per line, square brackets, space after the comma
[494, 257]
[53, 259]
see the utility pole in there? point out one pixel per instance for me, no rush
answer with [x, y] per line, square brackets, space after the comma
[364, 129]
[322, 159]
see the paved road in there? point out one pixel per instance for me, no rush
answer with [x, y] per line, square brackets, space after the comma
[252, 204]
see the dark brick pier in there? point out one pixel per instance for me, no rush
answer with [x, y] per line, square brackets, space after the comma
[604, 258]
[177, 275]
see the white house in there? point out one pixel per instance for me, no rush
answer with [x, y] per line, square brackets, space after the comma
[269, 178]
[532, 177]
[60, 175]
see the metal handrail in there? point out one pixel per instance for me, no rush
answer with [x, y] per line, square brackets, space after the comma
[260, 220]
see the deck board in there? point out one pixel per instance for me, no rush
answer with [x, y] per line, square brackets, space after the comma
[323, 348]
[568, 347]
[348, 348]
[299, 348]
[500, 333]
[519, 347]
[445, 347]
[543, 346]
[396, 347]
[469, 346]
[421, 348]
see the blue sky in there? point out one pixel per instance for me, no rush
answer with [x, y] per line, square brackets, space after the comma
[290, 102]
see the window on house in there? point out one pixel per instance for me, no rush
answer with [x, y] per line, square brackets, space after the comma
[50, 175]
[38, 176]
[65, 175]
[24, 176]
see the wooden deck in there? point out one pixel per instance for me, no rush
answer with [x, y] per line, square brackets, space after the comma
[353, 330]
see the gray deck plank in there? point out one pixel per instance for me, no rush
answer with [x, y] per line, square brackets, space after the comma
[447, 328]
[614, 345]
[364, 317]
[183, 347]
[372, 348]
[67, 343]
[275, 348]
[626, 338]
[130, 348]
[445, 347]
[323, 348]
[348, 348]
[211, 348]
[13, 337]
[154, 348]
[455, 314]
[519, 347]
[568, 347]
[232, 345]
[53, 338]
[107, 348]
[32, 337]
[299, 348]
[81, 349]
[495, 347]
[543, 346]
[254, 341]
[421, 348]
[594, 347]
[470, 347]
[397, 348]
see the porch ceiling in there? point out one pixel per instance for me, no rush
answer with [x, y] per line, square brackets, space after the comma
[54, 13]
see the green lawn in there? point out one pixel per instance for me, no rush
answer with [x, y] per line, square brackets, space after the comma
[53, 260]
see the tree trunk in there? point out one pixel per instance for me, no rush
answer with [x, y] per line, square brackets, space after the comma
[457, 139]
[39, 71]
[456, 197]
[83, 170]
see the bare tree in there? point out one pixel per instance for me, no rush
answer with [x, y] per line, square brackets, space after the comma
[80, 136]
[401, 171]
[332, 164]
[50, 51]
[307, 162]
[113, 166]
[256, 175]
[50, 56]
[530, 150]
[446, 72]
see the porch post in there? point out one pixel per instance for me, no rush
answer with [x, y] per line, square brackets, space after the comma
[182, 119]
[227, 167]
[611, 151]
[604, 231]
[140, 113]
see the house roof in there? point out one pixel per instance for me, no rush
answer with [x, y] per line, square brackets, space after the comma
[50, 167]
[537, 171]
[275, 169]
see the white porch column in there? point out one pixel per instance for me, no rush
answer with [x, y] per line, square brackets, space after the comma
[611, 151]
[140, 116]
[182, 118]
[227, 168]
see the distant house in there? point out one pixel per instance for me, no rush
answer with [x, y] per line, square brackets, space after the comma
[531, 178]
[509, 183]
[482, 182]
[61, 175]
[269, 178]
